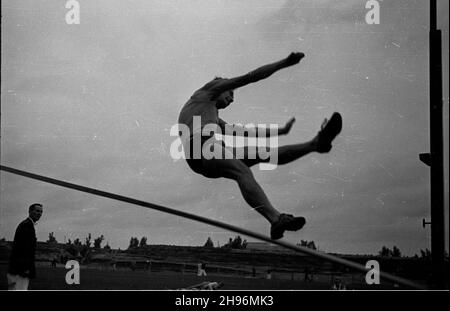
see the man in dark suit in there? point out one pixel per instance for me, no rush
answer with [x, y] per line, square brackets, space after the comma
[21, 263]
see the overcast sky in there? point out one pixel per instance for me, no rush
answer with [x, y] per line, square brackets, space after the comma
[93, 104]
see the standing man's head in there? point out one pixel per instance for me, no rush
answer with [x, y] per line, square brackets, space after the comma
[35, 211]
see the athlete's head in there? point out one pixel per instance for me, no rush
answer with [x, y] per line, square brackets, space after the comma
[225, 99]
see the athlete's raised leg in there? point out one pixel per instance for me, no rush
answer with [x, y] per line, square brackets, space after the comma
[285, 154]
[289, 153]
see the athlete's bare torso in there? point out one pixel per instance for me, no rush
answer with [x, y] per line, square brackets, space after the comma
[202, 105]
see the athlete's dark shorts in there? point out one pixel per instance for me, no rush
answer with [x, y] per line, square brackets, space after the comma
[195, 161]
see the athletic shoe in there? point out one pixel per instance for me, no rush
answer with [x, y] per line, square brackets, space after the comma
[286, 222]
[329, 130]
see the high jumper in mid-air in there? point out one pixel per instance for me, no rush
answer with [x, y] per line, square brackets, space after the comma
[218, 94]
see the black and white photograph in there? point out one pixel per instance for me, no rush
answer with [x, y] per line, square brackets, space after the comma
[198, 147]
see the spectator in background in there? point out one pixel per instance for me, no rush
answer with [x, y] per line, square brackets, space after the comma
[54, 262]
[22, 260]
[133, 265]
[148, 265]
[308, 275]
[201, 269]
[269, 274]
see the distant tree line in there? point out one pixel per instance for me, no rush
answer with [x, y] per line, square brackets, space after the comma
[235, 243]
[209, 243]
[308, 244]
[238, 243]
[135, 243]
[87, 242]
[387, 252]
[78, 248]
[425, 254]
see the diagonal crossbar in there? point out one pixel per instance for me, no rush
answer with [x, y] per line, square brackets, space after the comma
[113, 196]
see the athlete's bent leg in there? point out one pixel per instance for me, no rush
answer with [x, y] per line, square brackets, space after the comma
[252, 192]
[250, 189]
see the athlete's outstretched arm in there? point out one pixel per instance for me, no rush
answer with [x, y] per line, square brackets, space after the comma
[223, 85]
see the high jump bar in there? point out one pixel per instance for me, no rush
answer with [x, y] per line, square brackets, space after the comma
[113, 196]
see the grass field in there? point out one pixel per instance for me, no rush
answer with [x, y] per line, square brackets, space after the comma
[97, 279]
[174, 267]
